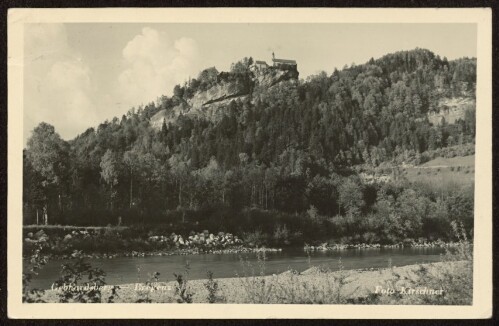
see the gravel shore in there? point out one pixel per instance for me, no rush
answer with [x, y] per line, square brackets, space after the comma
[356, 286]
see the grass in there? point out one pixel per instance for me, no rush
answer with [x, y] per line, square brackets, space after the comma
[438, 173]
[446, 177]
[444, 172]
[468, 161]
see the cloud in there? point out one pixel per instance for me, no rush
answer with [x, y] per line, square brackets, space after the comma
[155, 64]
[57, 84]
[60, 87]
[67, 91]
[44, 40]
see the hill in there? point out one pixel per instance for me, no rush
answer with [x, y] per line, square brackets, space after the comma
[229, 147]
[209, 102]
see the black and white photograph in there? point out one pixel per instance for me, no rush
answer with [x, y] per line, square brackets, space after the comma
[249, 162]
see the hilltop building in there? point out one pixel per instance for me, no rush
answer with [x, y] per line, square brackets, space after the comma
[284, 64]
[261, 64]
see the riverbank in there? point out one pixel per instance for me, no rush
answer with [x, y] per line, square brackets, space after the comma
[410, 243]
[168, 252]
[109, 243]
[412, 284]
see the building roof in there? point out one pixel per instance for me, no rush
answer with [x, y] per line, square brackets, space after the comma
[259, 62]
[285, 61]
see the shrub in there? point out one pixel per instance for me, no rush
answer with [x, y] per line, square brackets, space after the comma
[281, 235]
[256, 238]
[212, 286]
[322, 287]
[256, 288]
[143, 295]
[313, 214]
[73, 276]
[182, 291]
[370, 237]
[36, 262]
[464, 250]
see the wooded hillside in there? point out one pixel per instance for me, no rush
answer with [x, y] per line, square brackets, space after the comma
[288, 148]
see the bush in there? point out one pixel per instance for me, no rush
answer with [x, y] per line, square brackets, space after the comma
[212, 287]
[35, 263]
[324, 286]
[370, 238]
[256, 238]
[77, 276]
[281, 235]
[182, 291]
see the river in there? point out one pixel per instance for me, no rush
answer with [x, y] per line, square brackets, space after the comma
[122, 270]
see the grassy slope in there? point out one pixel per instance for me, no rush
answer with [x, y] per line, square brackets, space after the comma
[444, 172]
[463, 161]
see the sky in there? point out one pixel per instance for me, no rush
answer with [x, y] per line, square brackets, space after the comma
[78, 75]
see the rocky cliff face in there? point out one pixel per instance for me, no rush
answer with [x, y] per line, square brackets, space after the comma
[271, 76]
[211, 103]
[218, 93]
[452, 109]
[168, 116]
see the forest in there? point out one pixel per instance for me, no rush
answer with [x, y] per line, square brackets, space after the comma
[283, 164]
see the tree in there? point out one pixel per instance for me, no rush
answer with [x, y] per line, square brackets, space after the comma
[180, 171]
[322, 194]
[178, 91]
[241, 67]
[461, 207]
[33, 194]
[412, 209]
[216, 176]
[290, 194]
[131, 159]
[109, 173]
[48, 155]
[350, 197]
